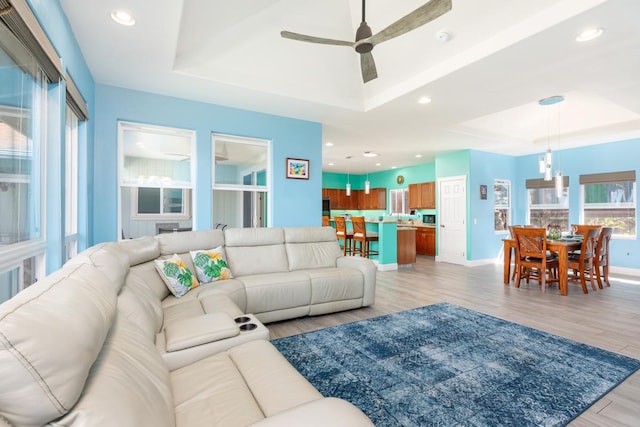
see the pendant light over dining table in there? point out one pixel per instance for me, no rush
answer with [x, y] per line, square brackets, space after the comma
[545, 163]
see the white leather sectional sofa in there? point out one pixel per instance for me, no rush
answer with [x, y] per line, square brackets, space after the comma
[103, 342]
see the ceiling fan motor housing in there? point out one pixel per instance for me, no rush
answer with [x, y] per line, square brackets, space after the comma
[364, 32]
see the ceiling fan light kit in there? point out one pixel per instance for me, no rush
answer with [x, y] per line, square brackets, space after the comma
[365, 40]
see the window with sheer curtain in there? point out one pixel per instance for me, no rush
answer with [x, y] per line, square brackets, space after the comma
[609, 199]
[544, 206]
[26, 74]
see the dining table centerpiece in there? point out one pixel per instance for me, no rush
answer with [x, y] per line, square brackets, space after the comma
[554, 231]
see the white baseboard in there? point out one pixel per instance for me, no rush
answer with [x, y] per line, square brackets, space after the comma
[386, 267]
[624, 270]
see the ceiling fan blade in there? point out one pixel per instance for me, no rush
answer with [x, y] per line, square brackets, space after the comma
[313, 39]
[368, 66]
[422, 15]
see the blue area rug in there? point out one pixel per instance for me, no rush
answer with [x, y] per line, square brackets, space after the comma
[444, 365]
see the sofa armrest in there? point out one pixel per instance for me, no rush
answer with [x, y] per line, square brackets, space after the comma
[199, 330]
[368, 269]
[328, 411]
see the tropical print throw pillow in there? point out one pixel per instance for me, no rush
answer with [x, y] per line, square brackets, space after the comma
[211, 265]
[178, 278]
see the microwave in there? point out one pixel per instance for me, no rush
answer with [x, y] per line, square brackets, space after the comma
[429, 219]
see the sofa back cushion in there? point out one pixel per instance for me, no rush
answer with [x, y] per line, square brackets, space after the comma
[109, 258]
[50, 335]
[128, 385]
[181, 243]
[311, 247]
[141, 250]
[255, 250]
[139, 304]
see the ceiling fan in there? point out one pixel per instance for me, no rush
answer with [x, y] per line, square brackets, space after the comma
[365, 40]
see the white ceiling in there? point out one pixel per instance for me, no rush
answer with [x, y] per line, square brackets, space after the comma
[485, 82]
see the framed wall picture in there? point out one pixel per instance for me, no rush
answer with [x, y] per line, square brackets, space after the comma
[297, 168]
[483, 192]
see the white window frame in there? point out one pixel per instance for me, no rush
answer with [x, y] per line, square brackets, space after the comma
[71, 183]
[160, 183]
[403, 194]
[186, 205]
[628, 205]
[502, 206]
[564, 205]
[253, 188]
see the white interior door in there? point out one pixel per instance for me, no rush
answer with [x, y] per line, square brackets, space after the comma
[452, 207]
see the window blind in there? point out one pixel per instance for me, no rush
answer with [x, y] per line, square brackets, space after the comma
[21, 21]
[603, 178]
[541, 183]
[75, 100]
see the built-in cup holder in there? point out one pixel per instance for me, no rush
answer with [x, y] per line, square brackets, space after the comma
[242, 319]
[248, 327]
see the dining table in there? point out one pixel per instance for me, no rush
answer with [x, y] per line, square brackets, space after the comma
[561, 246]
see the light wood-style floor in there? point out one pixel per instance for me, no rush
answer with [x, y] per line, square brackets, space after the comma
[608, 318]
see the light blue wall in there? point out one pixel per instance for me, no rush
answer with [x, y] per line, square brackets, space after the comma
[612, 157]
[294, 202]
[485, 169]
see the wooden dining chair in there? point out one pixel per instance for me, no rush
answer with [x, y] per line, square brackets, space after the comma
[582, 264]
[601, 259]
[515, 262]
[343, 234]
[326, 221]
[533, 260]
[362, 238]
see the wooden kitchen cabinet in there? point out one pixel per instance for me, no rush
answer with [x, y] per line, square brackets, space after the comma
[375, 200]
[422, 195]
[426, 241]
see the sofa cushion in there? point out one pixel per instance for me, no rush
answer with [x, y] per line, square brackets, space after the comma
[146, 274]
[276, 291]
[238, 387]
[199, 330]
[180, 243]
[255, 250]
[141, 250]
[142, 309]
[311, 247]
[211, 265]
[175, 274]
[50, 335]
[109, 258]
[128, 385]
[335, 284]
[273, 381]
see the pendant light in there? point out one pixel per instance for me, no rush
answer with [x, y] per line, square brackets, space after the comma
[348, 182]
[559, 184]
[367, 185]
[545, 162]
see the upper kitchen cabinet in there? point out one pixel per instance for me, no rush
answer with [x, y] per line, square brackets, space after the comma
[375, 200]
[422, 195]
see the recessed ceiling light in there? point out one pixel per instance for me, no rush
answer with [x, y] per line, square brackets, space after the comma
[330, 164]
[370, 154]
[123, 17]
[394, 167]
[378, 164]
[329, 144]
[418, 155]
[424, 100]
[589, 34]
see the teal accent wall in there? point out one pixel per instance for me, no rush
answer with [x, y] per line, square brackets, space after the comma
[294, 202]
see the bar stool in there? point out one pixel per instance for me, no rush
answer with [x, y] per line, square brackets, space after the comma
[360, 235]
[343, 234]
